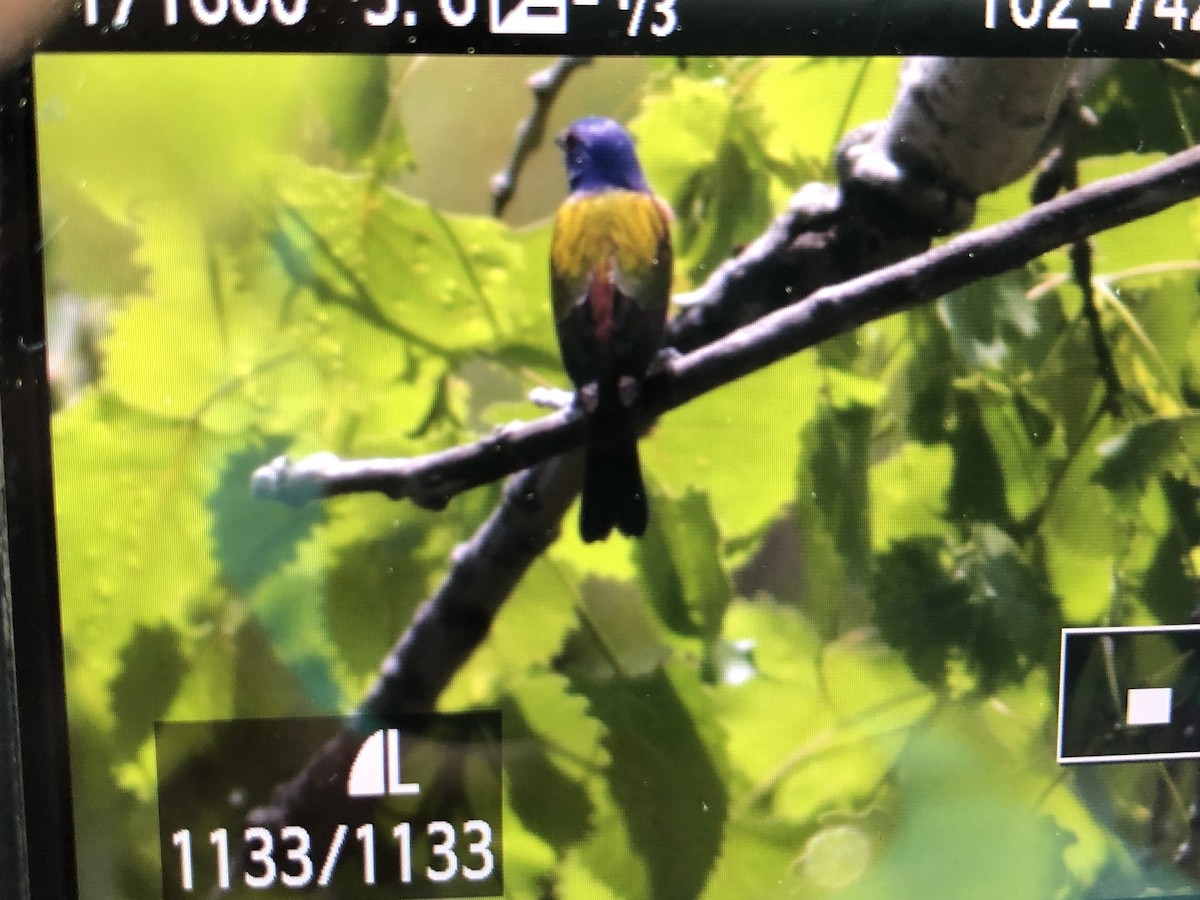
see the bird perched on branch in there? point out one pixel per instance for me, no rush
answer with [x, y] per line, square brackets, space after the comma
[610, 281]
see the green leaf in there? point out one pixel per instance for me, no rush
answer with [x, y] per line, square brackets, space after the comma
[909, 494]
[116, 128]
[784, 653]
[625, 633]
[1083, 550]
[920, 610]
[835, 481]
[1017, 616]
[528, 633]
[863, 712]
[952, 806]
[1021, 437]
[551, 747]
[130, 493]
[700, 145]
[209, 686]
[994, 326]
[152, 667]
[680, 132]
[666, 775]
[253, 537]
[287, 606]
[739, 445]
[837, 95]
[812, 731]
[238, 365]
[977, 487]
[758, 859]
[89, 252]
[446, 282]
[355, 97]
[374, 586]
[832, 521]
[979, 597]
[1169, 584]
[266, 686]
[1173, 233]
[1145, 450]
[1143, 105]
[680, 558]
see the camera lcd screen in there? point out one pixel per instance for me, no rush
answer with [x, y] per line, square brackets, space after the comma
[879, 374]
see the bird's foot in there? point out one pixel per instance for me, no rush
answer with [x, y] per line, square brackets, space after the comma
[588, 398]
[663, 360]
[628, 389]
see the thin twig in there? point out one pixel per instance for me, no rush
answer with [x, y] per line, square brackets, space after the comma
[545, 85]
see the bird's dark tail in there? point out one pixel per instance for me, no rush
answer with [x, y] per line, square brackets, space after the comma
[613, 492]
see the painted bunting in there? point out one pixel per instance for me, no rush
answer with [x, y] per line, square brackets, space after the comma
[610, 282]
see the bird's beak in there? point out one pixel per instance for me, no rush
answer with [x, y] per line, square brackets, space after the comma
[560, 140]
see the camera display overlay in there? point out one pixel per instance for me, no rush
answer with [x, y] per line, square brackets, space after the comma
[420, 816]
[1073, 28]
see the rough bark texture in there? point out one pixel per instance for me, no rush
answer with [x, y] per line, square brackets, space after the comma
[962, 128]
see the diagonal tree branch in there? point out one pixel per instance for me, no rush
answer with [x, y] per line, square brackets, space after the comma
[433, 479]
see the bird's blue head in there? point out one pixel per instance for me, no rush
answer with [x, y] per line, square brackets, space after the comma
[599, 155]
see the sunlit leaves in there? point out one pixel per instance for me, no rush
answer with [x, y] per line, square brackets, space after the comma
[700, 142]
[151, 668]
[132, 535]
[808, 105]
[448, 283]
[228, 117]
[1171, 233]
[553, 747]
[738, 444]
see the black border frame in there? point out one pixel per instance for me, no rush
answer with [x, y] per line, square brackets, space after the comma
[1044, 28]
[37, 842]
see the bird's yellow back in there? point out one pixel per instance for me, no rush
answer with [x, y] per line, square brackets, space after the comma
[606, 227]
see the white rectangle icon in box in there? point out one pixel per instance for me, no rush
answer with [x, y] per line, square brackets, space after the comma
[1148, 706]
[1125, 693]
[530, 17]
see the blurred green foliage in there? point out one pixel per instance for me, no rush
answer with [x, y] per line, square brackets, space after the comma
[829, 670]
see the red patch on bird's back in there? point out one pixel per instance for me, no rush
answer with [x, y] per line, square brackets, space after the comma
[600, 301]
